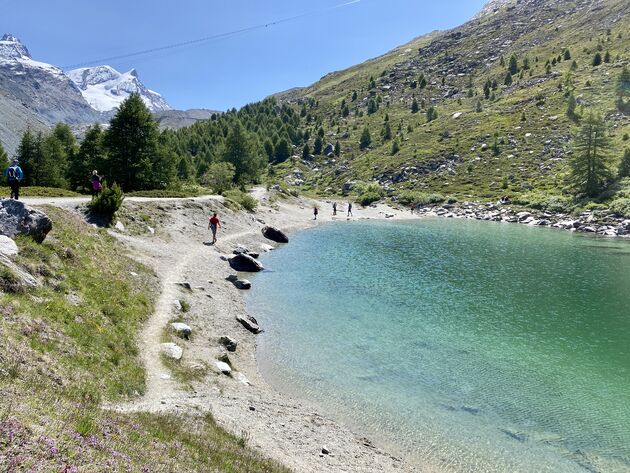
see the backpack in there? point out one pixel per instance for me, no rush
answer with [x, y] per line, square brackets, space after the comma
[12, 173]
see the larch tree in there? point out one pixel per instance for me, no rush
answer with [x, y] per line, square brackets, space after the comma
[590, 163]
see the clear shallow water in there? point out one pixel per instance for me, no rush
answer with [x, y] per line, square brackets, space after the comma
[469, 345]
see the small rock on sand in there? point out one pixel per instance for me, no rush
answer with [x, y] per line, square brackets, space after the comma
[229, 343]
[172, 351]
[182, 330]
[224, 367]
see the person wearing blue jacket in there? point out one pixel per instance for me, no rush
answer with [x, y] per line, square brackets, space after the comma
[14, 175]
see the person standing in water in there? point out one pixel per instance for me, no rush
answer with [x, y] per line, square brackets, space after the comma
[315, 212]
[350, 209]
[213, 224]
[334, 208]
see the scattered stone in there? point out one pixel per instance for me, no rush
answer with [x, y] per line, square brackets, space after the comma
[266, 248]
[245, 263]
[240, 249]
[182, 330]
[171, 350]
[325, 451]
[274, 234]
[229, 343]
[243, 379]
[224, 367]
[250, 323]
[177, 305]
[133, 274]
[16, 218]
[239, 283]
[185, 285]
[119, 226]
[151, 230]
[252, 408]
[8, 246]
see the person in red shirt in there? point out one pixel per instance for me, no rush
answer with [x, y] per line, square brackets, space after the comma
[213, 225]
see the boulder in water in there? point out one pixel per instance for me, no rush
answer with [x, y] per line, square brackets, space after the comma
[250, 323]
[274, 234]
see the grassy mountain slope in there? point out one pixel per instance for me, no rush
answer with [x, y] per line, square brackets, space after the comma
[516, 141]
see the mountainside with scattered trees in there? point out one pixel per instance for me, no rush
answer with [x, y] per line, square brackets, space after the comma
[529, 100]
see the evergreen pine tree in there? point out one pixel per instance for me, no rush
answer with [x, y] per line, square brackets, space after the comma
[337, 149]
[282, 151]
[513, 66]
[387, 132]
[479, 107]
[623, 90]
[306, 151]
[135, 160]
[508, 79]
[414, 106]
[567, 54]
[366, 139]
[431, 114]
[624, 166]
[486, 90]
[571, 105]
[90, 157]
[239, 151]
[590, 162]
[354, 95]
[395, 147]
[597, 60]
[607, 57]
[318, 146]
[29, 154]
[269, 149]
[422, 81]
[372, 107]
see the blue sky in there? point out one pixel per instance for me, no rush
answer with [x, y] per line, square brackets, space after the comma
[233, 71]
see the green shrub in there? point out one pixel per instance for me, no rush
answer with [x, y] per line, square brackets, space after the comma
[621, 207]
[241, 199]
[108, 201]
[414, 198]
[368, 198]
[550, 203]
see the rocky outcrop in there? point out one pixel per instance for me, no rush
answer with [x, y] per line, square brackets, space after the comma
[172, 351]
[274, 234]
[239, 283]
[16, 218]
[245, 263]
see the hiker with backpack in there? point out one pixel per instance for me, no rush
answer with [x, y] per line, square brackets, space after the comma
[14, 175]
[97, 183]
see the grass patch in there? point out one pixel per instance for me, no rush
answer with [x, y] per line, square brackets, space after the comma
[240, 199]
[36, 191]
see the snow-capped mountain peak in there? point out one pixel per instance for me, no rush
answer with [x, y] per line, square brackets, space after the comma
[12, 48]
[105, 88]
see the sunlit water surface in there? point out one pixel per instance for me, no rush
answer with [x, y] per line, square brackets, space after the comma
[475, 346]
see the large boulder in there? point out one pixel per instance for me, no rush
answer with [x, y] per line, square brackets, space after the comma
[274, 234]
[250, 323]
[16, 218]
[245, 263]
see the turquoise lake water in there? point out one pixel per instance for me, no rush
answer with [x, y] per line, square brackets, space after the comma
[473, 346]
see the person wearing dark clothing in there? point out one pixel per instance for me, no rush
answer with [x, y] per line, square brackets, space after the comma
[315, 212]
[349, 209]
[97, 183]
[14, 176]
[334, 208]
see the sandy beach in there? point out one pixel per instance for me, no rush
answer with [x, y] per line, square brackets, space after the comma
[289, 430]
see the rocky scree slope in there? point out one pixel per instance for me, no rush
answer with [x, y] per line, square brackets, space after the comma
[509, 138]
